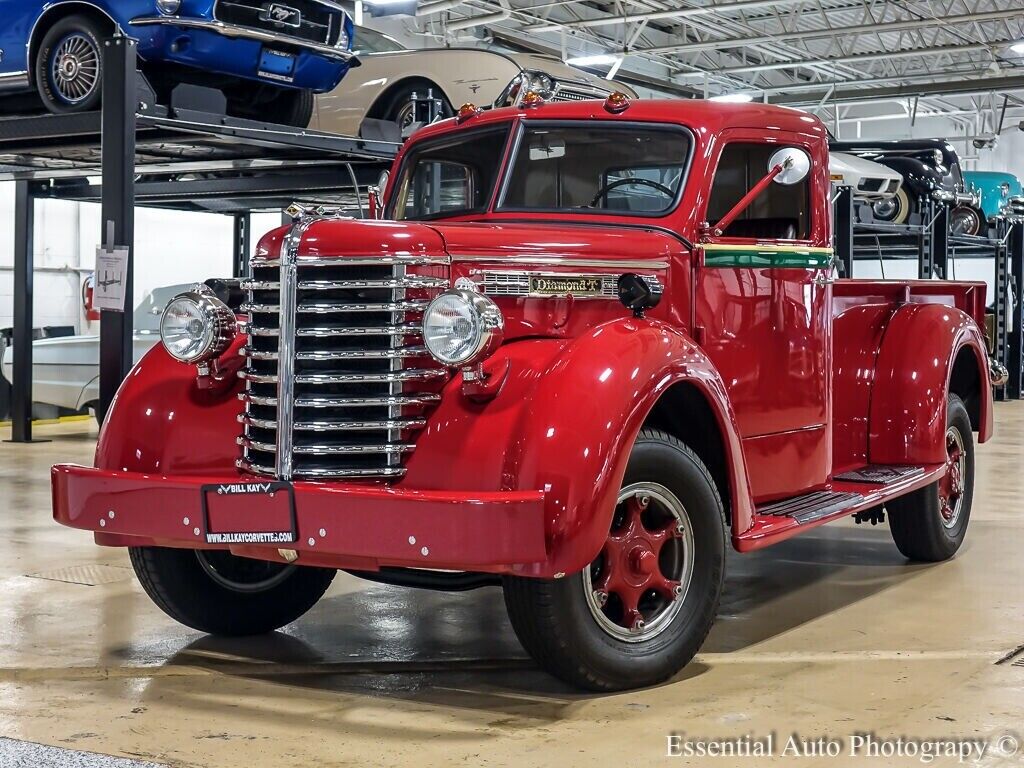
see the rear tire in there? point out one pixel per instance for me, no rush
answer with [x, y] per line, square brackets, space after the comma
[216, 592]
[69, 65]
[642, 609]
[965, 220]
[399, 106]
[930, 524]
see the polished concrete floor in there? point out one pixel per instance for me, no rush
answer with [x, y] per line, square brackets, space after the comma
[827, 635]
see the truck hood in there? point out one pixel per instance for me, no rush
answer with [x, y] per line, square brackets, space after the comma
[553, 243]
[520, 243]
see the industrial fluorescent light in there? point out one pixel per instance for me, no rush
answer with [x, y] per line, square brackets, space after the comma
[1018, 47]
[736, 98]
[596, 60]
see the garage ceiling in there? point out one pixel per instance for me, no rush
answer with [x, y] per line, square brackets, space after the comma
[921, 57]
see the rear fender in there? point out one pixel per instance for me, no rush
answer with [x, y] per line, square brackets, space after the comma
[567, 427]
[912, 379]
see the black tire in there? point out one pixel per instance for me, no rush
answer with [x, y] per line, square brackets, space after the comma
[270, 104]
[397, 108]
[183, 588]
[965, 220]
[77, 40]
[918, 525]
[556, 623]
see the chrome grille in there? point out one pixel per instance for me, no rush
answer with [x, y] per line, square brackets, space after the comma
[577, 92]
[337, 377]
[307, 20]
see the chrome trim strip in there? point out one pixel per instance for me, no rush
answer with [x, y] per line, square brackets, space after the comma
[341, 285]
[345, 402]
[338, 426]
[14, 80]
[330, 450]
[517, 283]
[245, 33]
[259, 469]
[326, 332]
[396, 353]
[407, 374]
[552, 261]
[288, 298]
[356, 261]
[330, 309]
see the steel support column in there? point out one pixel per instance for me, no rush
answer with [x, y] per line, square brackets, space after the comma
[843, 235]
[1015, 342]
[24, 268]
[242, 240]
[118, 209]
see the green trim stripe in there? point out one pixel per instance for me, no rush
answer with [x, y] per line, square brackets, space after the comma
[724, 256]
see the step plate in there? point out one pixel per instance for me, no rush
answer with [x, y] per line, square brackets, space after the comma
[880, 474]
[812, 506]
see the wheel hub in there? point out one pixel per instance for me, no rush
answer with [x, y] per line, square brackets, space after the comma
[68, 67]
[637, 584]
[951, 486]
[75, 68]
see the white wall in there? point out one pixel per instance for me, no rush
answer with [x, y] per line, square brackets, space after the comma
[170, 247]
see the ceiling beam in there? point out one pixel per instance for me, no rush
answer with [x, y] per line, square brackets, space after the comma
[961, 87]
[818, 33]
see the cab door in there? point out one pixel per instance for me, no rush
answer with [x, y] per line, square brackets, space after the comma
[762, 306]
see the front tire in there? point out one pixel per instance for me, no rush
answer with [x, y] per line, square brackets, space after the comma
[400, 108]
[69, 65]
[637, 614]
[216, 592]
[895, 210]
[930, 524]
[965, 220]
[270, 104]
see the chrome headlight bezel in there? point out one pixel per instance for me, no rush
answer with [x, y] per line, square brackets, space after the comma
[218, 326]
[487, 325]
[168, 7]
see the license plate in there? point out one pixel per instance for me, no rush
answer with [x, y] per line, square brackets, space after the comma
[277, 65]
[249, 513]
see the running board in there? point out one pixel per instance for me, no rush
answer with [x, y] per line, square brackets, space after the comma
[853, 491]
[812, 506]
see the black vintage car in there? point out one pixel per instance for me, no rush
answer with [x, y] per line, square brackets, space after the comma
[930, 169]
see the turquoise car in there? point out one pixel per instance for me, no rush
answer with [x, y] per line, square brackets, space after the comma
[1001, 194]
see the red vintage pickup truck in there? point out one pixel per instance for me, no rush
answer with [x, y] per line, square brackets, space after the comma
[583, 347]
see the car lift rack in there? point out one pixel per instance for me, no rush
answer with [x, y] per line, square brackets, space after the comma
[176, 159]
[937, 251]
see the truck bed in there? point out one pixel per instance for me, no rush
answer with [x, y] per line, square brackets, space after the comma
[966, 296]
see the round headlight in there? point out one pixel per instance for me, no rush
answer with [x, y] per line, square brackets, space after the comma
[168, 7]
[197, 326]
[462, 328]
[540, 83]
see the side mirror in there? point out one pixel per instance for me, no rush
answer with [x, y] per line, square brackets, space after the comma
[796, 164]
[637, 295]
[375, 196]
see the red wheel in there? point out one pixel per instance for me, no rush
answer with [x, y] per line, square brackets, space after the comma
[951, 486]
[637, 584]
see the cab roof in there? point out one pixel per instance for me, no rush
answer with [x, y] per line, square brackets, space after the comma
[698, 114]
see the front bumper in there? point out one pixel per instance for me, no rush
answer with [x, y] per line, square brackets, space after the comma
[342, 525]
[244, 33]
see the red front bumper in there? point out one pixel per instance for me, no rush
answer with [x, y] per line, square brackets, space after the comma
[338, 524]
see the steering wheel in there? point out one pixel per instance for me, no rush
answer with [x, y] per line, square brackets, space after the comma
[603, 191]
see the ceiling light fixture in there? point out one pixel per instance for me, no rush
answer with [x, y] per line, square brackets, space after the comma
[1018, 47]
[596, 60]
[733, 98]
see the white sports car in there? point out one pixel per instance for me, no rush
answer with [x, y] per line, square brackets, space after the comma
[382, 86]
[66, 369]
[871, 181]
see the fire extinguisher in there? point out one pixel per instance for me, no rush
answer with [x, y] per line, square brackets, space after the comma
[88, 288]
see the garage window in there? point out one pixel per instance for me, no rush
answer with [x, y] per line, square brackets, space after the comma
[635, 170]
[778, 213]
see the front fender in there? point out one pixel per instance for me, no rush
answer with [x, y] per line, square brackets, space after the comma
[907, 423]
[161, 422]
[565, 422]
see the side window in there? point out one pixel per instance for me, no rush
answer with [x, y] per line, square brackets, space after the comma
[439, 188]
[779, 213]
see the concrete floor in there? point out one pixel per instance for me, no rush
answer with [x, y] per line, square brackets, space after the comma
[827, 635]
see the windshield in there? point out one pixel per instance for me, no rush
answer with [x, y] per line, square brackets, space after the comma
[598, 168]
[453, 176]
[371, 41]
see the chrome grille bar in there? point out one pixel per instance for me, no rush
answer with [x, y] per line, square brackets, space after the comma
[337, 379]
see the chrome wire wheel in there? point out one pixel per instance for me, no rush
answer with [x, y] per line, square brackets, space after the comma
[75, 68]
[636, 586]
[951, 486]
[242, 574]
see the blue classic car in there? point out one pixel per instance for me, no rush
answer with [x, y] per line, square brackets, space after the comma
[267, 57]
[1001, 194]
